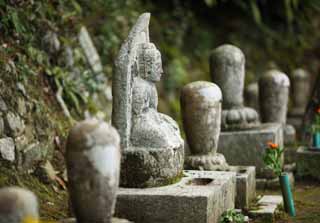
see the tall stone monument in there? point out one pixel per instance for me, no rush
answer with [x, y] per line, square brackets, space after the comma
[227, 70]
[201, 114]
[151, 144]
[18, 205]
[243, 139]
[152, 175]
[300, 95]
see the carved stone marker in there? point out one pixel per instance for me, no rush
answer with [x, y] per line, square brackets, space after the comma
[201, 113]
[93, 164]
[227, 71]
[18, 205]
[301, 91]
[152, 147]
[274, 93]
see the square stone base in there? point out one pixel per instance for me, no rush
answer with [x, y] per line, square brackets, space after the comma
[201, 196]
[308, 163]
[246, 147]
[266, 208]
[246, 185]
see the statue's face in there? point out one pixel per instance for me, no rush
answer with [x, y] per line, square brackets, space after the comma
[156, 67]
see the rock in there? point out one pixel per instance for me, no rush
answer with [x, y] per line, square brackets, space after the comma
[201, 113]
[14, 124]
[1, 126]
[93, 166]
[51, 42]
[273, 96]
[3, 105]
[227, 71]
[152, 146]
[22, 89]
[7, 149]
[22, 108]
[18, 205]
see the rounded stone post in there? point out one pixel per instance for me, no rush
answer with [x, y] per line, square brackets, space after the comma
[227, 64]
[273, 96]
[93, 165]
[18, 205]
[201, 113]
[300, 90]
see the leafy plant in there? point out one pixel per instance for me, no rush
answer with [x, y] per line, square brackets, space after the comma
[273, 158]
[231, 216]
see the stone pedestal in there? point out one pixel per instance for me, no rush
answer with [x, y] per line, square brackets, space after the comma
[201, 196]
[245, 185]
[246, 147]
[308, 163]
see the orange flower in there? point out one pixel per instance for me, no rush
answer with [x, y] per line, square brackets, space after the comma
[318, 110]
[272, 145]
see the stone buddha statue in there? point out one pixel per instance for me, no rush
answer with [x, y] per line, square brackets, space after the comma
[149, 127]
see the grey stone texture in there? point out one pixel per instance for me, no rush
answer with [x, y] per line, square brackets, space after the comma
[153, 150]
[113, 220]
[289, 135]
[227, 68]
[300, 80]
[245, 184]
[14, 125]
[93, 166]
[308, 163]
[7, 149]
[16, 204]
[246, 147]
[273, 96]
[201, 115]
[251, 96]
[201, 196]
[267, 208]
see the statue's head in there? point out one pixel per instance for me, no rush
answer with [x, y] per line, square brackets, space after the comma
[149, 62]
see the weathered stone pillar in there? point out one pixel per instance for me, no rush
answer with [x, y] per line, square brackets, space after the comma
[201, 113]
[93, 164]
[300, 91]
[273, 96]
[18, 205]
[227, 71]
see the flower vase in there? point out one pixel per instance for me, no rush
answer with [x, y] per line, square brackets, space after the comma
[316, 140]
[287, 194]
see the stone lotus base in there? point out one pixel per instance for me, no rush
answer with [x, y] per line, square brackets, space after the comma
[308, 163]
[201, 196]
[246, 147]
[245, 185]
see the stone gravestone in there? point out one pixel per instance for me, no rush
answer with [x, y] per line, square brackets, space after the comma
[251, 96]
[152, 148]
[243, 139]
[201, 114]
[300, 96]
[152, 175]
[93, 165]
[18, 205]
[227, 71]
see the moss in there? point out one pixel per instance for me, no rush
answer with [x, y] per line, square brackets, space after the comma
[53, 202]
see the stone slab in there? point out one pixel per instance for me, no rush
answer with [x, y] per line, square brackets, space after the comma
[201, 196]
[308, 163]
[266, 208]
[114, 220]
[246, 147]
[245, 184]
[273, 184]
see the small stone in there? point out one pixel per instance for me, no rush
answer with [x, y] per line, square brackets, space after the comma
[3, 105]
[22, 108]
[17, 205]
[51, 42]
[22, 89]
[1, 126]
[7, 149]
[14, 124]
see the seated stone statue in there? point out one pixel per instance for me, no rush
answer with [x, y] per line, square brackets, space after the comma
[150, 128]
[152, 148]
